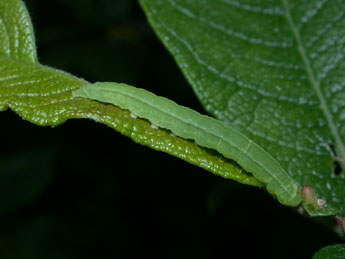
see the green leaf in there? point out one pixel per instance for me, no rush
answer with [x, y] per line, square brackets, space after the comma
[274, 70]
[43, 96]
[323, 211]
[333, 251]
[314, 206]
[16, 33]
[17, 40]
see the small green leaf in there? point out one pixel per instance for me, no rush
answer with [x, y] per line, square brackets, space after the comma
[314, 206]
[333, 251]
[274, 70]
[321, 211]
[43, 96]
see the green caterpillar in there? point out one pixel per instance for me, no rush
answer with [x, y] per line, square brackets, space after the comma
[204, 130]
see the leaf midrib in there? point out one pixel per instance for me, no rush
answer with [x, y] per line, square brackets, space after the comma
[315, 84]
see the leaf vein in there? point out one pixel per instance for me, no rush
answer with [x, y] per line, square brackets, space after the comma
[231, 33]
[315, 83]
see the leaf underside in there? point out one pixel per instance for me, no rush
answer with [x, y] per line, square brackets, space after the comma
[43, 96]
[273, 69]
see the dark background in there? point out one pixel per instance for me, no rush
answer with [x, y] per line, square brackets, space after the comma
[81, 190]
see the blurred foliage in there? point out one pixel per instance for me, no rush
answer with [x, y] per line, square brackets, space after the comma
[64, 195]
[334, 252]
